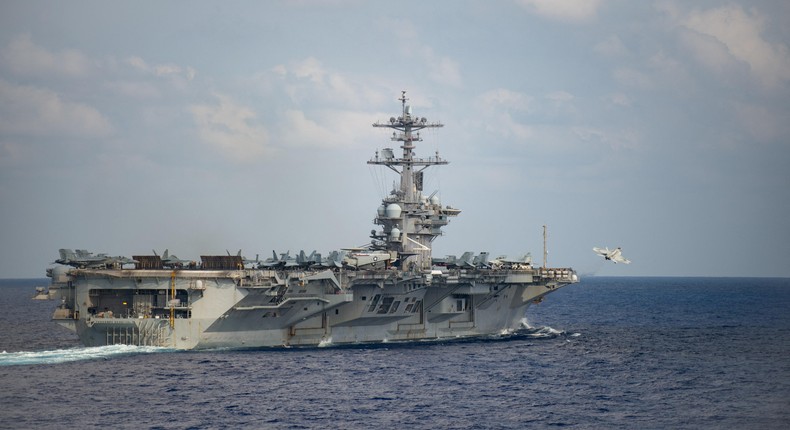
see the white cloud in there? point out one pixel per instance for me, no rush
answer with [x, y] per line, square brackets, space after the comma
[136, 90]
[611, 47]
[619, 99]
[167, 69]
[508, 127]
[710, 52]
[308, 80]
[561, 102]
[321, 129]
[563, 10]
[504, 98]
[280, 70]
[440, 69]
[560, 97]
[23, 57]
[231, 130]
[179, 75]
[499, 105]
[659, 71]
[13, 154]
[669, 69]
[34, 111]
[301, 131]
[633, 78]
[762, 123]
[138, 63]
[315, 113]
[740, 34]
[310, 69]
[622, 139]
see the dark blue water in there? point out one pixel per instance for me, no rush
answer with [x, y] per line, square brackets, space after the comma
[698, 353]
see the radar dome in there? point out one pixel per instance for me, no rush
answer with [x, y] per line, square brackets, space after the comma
[393, 210]
[381, 211]
[435, 200]
[394, 234]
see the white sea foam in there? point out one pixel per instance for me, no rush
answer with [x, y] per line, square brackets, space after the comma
[74, 354]
[544, 331]
[549, 330]
[506, 332]
[325, 342]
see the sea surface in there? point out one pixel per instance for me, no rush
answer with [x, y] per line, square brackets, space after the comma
[623, 353]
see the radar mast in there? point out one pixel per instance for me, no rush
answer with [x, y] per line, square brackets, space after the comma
[410, 221]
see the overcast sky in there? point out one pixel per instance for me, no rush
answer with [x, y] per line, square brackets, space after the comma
[659, 126]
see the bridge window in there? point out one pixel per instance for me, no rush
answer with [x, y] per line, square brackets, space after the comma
[374, 302]
[385, 305]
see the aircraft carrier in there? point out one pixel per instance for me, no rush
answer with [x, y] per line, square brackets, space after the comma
[390, 290]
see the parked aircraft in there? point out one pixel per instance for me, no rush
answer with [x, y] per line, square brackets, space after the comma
[503, 261]
[285, 260]
[367, 259]
[171, 260]
[466, 261]
[245, 261]
[481, 260]
[334, 260]
[84, 259]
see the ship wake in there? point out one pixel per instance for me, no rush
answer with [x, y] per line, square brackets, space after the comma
[74, 354]
[541, 332]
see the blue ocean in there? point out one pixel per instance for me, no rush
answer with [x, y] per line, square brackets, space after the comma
[646, 353]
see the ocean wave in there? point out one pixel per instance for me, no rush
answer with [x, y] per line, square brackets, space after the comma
[74, 354]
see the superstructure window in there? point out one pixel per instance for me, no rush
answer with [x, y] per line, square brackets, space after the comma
[374, 302]
[385, 305]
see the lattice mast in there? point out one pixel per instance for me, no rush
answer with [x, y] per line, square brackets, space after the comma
[410, 221]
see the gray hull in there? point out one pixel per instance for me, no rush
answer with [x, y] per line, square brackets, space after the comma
[261, 308]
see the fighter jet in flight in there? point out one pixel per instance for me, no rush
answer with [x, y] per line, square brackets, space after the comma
[614, 255]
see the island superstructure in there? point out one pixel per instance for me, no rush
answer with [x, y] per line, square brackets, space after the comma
[390, 290]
